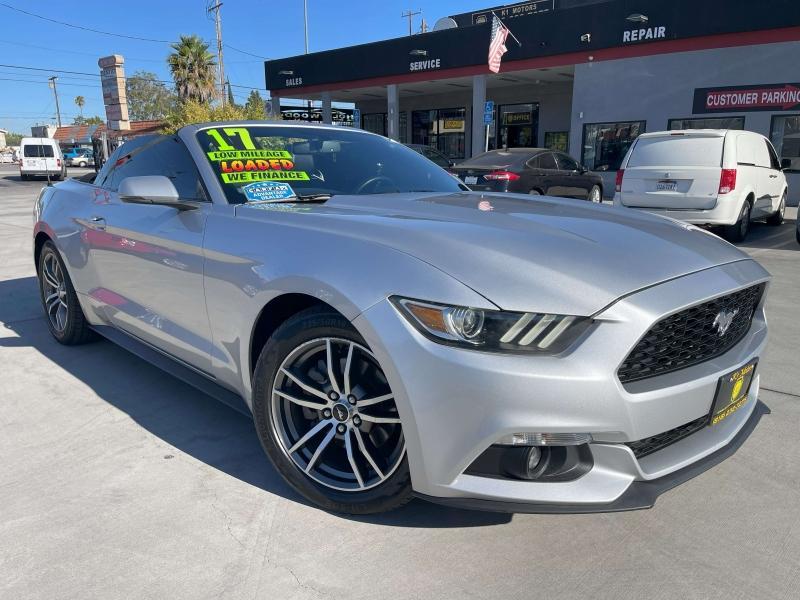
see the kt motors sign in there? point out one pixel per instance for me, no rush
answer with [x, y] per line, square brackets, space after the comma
[772, 97]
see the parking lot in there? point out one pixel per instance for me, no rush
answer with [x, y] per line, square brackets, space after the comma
[118, 481]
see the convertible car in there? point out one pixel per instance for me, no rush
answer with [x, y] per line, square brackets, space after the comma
[393, 333]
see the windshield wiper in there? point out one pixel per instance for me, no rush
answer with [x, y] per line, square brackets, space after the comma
[303, 198]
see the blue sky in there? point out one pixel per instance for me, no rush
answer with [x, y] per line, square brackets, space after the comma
[262, 27]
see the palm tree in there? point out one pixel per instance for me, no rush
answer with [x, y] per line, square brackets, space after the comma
[79, 102]
[193, 69]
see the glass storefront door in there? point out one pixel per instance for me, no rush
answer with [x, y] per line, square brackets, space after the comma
[443, 129]
[518, 126]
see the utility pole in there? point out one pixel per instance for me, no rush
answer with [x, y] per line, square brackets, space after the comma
[55, 93]
[410, 14]
[305, 29]
[220, 66]
[305, 21]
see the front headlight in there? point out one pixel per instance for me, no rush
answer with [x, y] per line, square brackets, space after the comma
[492, 330]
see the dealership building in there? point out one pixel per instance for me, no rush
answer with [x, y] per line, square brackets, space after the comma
[587, 77]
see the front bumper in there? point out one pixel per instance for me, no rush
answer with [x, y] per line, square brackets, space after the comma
[455, 403]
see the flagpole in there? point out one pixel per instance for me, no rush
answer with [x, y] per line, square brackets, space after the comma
[513, 37]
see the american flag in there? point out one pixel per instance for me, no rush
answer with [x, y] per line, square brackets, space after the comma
[497, 44]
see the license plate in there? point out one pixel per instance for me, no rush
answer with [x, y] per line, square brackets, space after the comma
[666, 186]
[470, 180]
[732, 390]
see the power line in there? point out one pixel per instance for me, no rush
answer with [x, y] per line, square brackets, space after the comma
[111, 33]
[26, 68]
[65, 51]
[121, 35]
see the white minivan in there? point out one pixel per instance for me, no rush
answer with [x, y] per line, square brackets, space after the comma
[705, 177]
[41, 156]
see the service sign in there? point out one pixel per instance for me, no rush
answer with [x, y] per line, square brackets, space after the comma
[747, 98]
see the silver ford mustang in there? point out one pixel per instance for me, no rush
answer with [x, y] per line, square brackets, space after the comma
[393, 334]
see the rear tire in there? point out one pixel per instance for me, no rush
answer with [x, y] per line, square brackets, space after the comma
[739, 230]
[324, 477]
[65, 318]
[535, 192]
[776, 218]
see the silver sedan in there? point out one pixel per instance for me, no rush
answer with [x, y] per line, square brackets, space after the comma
[392, 333]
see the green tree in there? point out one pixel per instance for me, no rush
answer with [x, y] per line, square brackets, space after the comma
[13, 139]
[148, 98]
[95, 120]
[80, 101]
[255, 105]
[193, 69]
[186, 113]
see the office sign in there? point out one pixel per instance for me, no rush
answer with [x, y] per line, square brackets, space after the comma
[747, 98]
[517, 118]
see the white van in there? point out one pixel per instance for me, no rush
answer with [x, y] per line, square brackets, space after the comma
[705, 177]
[41, 156]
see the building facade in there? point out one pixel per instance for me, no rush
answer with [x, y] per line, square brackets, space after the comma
[587, 77]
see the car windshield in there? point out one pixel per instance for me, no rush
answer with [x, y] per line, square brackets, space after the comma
[495, 159]
[257, 163]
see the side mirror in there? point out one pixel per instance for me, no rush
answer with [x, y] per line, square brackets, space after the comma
[582, 169]
[786, 163]
[151, 189]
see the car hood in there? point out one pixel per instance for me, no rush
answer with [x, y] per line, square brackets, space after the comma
[543, 254]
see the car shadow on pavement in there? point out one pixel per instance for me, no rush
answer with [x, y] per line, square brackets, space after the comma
[769, 237]
[181, 416]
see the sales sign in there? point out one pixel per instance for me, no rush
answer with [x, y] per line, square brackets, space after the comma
[740, 98]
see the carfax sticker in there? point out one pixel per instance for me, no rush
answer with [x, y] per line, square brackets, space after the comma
[267, 190]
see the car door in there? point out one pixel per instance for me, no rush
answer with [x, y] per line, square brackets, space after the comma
[576, 183]
[148, 259]
[776, 178]
[541, 173]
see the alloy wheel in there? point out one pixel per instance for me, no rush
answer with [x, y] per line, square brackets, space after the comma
[335, 415]
[594, 195]
[54, 292]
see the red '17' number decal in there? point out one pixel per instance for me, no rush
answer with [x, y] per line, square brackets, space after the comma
[231, 132]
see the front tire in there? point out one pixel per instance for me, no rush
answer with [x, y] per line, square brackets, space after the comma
[65, 317]
[535, 192]
[738, 231]
[595, 194]
[776, 218]
[326, 416]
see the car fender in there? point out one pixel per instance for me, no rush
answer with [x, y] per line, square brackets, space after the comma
[249, 263]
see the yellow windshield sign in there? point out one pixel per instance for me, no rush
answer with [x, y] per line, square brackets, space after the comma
[247, 154]
[247, 176]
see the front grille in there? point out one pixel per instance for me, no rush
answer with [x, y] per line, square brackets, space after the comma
[656, 442]
[691, 336]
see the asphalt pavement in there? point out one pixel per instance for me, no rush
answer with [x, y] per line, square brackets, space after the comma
[118, 481]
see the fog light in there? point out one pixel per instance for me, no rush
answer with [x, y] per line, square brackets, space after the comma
[545, 439]
[534, 458]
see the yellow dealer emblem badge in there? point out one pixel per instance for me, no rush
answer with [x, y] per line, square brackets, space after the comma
[737, 388]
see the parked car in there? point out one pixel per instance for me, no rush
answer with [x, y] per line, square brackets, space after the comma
[705, 177]
[41, 156]
[536, 171]
[392, 334]
[80, 158]
[440, 158]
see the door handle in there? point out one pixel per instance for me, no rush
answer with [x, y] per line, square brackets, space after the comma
[97, 223]
[773, 176]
